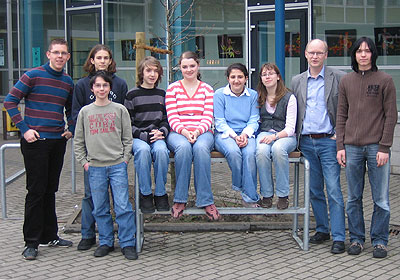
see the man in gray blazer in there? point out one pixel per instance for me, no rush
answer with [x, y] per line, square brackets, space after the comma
[316, 91]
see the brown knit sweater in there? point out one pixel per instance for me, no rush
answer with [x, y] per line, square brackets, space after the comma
[367, 111]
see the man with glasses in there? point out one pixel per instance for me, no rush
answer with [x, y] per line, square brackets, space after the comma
[364, 136]
[47, 91]
[316, 91]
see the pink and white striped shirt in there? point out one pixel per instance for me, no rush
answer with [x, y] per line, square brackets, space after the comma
[192, 113]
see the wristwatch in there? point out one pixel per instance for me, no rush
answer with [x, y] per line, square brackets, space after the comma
[276, 136]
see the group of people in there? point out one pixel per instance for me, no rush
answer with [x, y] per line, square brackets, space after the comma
[335, 119]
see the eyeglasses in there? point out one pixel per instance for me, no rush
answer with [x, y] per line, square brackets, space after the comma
[105, 85]
[57, 53]
[266, 74]
[316, 53]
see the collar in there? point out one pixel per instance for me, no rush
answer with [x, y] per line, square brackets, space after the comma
[227, 91]
[361, 72]
[51, 70]
[322, 73]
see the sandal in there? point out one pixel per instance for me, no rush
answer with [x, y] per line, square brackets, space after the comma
[177, 210]
[250, 204]
[212, 212]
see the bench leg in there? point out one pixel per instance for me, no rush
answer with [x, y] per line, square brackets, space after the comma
[139, 217]
[306, 228]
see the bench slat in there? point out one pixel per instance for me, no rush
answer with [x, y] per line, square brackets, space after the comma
[216, 154]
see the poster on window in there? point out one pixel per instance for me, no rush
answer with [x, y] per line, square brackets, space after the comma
[387, 40]
[292, 44]
[128, 52]
[200, 51]
[230, 46]
[340, 41]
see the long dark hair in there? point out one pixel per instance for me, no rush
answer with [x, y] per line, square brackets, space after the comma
[89, 67]
[372, 48]
[191, 55]
[281, 89]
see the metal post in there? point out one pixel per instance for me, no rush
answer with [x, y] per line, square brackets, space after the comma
[306, 203]
[3, 179]
[280, 35]
[10, 60]
[3, 185]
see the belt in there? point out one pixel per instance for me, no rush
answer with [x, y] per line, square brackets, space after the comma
[318, 136]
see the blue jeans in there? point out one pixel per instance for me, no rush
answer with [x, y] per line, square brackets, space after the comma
[199, 153]
[88, 228]
[321, 153]
[356, 158]
[115, 176]
[242, 162]
[278, 153]
[144, 155]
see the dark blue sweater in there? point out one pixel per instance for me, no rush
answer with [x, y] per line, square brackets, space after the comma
[46, 93]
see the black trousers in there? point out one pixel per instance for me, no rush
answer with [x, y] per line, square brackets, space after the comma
[43, 163]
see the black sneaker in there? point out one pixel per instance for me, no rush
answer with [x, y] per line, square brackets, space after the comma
[146, 203]
[57, 243]
[319, 237]
[86, 244]
[30, 253]
[337, 247]
[380, 251]
[130, 253]
[355, 248]
[161, 202]
[103, 250]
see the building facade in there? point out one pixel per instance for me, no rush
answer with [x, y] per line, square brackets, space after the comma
[220, 31]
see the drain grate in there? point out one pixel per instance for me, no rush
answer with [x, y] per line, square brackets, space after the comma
[394, 230]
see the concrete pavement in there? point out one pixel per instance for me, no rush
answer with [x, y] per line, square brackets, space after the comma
[269, 254]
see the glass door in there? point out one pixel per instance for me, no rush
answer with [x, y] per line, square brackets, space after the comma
[262, 42]
[83, 32]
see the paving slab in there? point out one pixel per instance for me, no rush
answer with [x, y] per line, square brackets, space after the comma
[271, 254]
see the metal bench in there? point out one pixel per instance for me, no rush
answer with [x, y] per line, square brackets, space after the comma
[295, 210]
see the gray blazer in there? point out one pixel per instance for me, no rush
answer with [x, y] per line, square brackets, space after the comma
[299, 88]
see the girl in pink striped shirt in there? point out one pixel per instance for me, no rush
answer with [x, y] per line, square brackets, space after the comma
[189, 104]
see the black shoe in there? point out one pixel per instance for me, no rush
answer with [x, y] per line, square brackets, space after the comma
[380, 251]
[161, 202]
[337, 247]
[355, 248]
[86, 244]
[30, 253]
[130, 253]
[319, 237]
[146, 203]
[57, 243]
[103, 250]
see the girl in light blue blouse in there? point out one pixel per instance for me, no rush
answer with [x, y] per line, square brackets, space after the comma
[236, 120]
